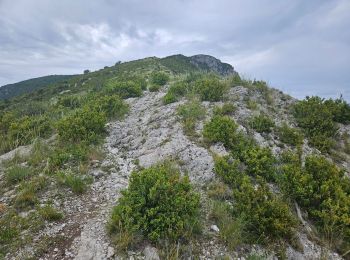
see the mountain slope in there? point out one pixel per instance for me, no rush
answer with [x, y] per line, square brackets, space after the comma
[77, 145]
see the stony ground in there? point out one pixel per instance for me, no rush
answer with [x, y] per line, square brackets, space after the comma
[149, 133]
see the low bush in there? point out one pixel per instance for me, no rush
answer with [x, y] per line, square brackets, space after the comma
[159, 78]
[260, 162]
[84, 125]
[169, 98]
[261, 123]
[113, 106]
[154, 88]
[221, 129]
[321, 189]
[210, 88]
[226, 110]
[50, 213]
[26, 198]
[268, 218]
[18, 173]
[77, 183]
[24, 130]
[190, 113]
[176, 91]
[159, 204]
[70, 101]
[228, 170]
[125, 89]
[289, 135]
[317, 121]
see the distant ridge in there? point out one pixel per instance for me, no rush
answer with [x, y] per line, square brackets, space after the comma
[11, 90]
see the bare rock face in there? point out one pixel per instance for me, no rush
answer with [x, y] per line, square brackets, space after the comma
[209, 63]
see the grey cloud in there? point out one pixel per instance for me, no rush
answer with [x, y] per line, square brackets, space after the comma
[302, 47]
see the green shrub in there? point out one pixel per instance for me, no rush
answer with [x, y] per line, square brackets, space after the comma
[169, 98]
[252, 105]
[228, 170]
[159, 78]
[83, 125]
[77, 183]
[69, 101]
[210, 88]
[321, 189]
[261, 123]
[158, 204]
[220, 129]
[268, 218]
[26, 129]
[68, 154]
[113, 106]
[176, 91]
[190, 113]
[226, 110]
[289, 135]
[154, 88]
[125, 89]
[340, 110]
[17, 173]
[50, 213]
[260, 162]
[26, 198]
[316, 119]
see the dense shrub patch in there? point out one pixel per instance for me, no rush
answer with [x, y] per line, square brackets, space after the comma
[113, 106]
[159, 78]
[321, 189]
[260, 162]
[265, 215]
[210, 88]
[158, 204]
[220, 129]
[317, 117]
[84, 125]
[261, 123]
[125, 89]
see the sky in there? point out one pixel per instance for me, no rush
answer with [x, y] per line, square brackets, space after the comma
[301, 47]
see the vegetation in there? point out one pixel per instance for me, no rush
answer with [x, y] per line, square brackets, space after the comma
[159, 78]
[317, 118]
[159, 204]
[289, 135]
[261, 123]
[125, 89]
[190, 113]
[220, 129]
[210, 88]
[226, 110]
[28, 86]
[85, 125]
[322, 190]
[265, 216]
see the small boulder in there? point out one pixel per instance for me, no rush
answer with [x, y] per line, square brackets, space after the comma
[150, 253]
[214, 228]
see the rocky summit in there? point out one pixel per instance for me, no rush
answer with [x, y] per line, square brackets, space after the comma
[173, 158]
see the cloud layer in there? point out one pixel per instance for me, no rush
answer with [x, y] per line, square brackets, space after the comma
[301, 47]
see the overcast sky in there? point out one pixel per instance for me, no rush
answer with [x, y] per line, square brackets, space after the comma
[301, 47]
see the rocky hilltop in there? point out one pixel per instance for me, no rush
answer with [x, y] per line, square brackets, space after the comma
[70, 189]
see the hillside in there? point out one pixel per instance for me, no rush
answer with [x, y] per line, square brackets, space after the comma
[11, 90]
[172, 158]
